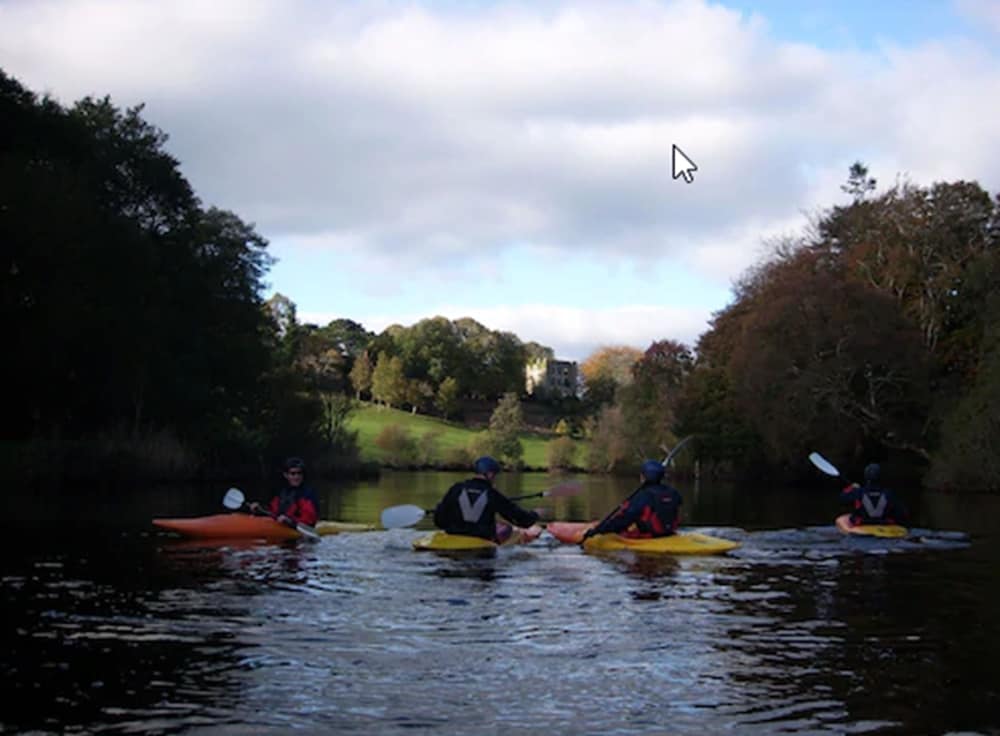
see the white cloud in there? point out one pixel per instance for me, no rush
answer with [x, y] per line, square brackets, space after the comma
[423, 135]
[983, 11]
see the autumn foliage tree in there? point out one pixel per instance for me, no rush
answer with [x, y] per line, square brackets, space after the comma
[866, 337]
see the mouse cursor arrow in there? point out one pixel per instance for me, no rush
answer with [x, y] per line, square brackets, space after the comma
[683, 166]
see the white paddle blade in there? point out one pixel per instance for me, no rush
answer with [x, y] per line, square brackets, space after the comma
[823, 464]
[395, 517]
[233, 499]
[308, 532]
[677, 448]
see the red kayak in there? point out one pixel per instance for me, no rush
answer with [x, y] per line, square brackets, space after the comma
[229, 526]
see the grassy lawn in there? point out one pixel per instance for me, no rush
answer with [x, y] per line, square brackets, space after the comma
[368, 420]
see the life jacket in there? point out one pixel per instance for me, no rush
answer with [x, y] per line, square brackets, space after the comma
[659, 515]
[872, 505]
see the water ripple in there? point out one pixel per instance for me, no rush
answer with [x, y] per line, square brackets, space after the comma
[797, 631]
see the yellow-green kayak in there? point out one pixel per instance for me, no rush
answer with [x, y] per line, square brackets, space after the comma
[683, 543]
[892, 531]
[336, 527]
[443, 541]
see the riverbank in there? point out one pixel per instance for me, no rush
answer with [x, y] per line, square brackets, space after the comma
[386, 438]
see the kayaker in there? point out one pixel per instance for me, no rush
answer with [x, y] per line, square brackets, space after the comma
[296, 503]
[469, 507]
[653, 509]
[872, 504]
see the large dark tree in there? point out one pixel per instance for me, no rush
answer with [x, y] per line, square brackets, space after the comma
[126, 304]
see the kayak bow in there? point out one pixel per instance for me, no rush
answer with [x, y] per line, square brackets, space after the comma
[682, 543]
[889, 531]
[229, 526]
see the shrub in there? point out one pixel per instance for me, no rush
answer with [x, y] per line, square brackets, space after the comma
[427, 446]
[458, 457]
[397, 444]
[560, 453]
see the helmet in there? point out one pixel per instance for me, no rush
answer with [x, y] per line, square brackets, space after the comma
[652, 470]
[872, 472]
[485, 465]
[295, 462]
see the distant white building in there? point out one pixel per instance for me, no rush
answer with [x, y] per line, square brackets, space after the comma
[552, 378]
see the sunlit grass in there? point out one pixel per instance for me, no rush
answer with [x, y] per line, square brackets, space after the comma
[368, 420]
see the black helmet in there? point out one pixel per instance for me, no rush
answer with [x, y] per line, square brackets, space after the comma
[652, 470]
[486, 465]
[295, 462]
[872, 472]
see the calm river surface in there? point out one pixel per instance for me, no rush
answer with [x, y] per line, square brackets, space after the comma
[113, 628]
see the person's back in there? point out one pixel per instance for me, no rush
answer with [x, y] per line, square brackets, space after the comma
[873, 504]
[653, 509]
[470, 506]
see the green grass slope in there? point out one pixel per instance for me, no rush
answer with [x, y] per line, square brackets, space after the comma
[369, 420]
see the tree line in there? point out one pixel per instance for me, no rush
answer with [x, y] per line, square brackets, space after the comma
[872, 335]
[136, 325]
[134, 320]
[137, 332]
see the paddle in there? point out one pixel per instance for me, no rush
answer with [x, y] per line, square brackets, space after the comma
[396, 517]
[234, 500]
[824, 465]
[666, 464]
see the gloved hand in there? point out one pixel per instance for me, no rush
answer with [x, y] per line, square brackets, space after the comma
[254, 507]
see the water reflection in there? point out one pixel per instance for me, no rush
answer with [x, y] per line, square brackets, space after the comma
[800, 630]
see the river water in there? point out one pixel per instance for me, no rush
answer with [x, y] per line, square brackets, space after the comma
[114, 628]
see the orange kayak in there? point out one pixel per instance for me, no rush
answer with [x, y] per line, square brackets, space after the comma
[569, 532]
[229, 526]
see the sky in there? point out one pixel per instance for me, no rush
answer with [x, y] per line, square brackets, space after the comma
[511, 161]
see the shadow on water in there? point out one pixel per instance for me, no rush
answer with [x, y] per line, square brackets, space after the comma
[112, 628]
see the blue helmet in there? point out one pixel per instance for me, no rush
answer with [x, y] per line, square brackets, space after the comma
[486, 465]
[652, 470]
[872, 472]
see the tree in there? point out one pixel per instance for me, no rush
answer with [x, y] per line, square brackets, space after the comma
[323, 371]
[534, 352]
[605, 371]
[388, 381]
[608, 444]
[350, 338]
[859, 184]
[418, 394]
[447, 397]
[432, 349]
[337, 410]
[506, 424]
[819, 355]
[969, 456]
[361, 374]
[649, 403]
[106, 240]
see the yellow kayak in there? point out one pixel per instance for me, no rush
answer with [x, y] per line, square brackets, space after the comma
[443, 541]
[683, 543]
[336, 527]
[892, 531]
